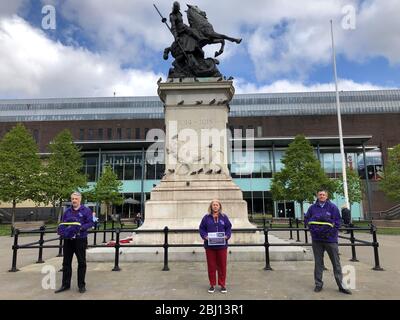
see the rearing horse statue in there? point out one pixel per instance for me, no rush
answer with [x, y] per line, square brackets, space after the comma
[198, 21]
[187, 48]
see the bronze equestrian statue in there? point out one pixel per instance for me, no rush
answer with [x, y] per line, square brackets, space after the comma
[187, 48]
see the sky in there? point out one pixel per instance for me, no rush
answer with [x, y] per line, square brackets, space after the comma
[95, 48]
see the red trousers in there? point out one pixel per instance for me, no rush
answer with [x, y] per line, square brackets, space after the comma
[216, 262]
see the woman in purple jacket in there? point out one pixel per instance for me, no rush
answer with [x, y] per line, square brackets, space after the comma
[216, 248]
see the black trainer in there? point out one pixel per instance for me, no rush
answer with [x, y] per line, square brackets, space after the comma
[211, 290]
[345, 291]
[317, 289]
[62, 289]
[223, 290]
[82, 290]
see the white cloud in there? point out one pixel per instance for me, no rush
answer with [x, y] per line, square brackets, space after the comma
[281, 86]
[35, 66]
[8, 8]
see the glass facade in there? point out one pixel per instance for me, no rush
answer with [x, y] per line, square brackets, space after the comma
[252, 171]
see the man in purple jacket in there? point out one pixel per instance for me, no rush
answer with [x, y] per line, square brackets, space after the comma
[323, 221]
[75, 241]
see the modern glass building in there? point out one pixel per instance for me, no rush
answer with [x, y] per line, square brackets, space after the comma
[113, 131]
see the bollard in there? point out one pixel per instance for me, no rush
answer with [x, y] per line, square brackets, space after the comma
[117, 246]
[297, 231]
[40, 257]
[353, 247]
[291, 226]
[60, 248]
[15, 252]
[266, 245]
[376, 253]
[166, 268]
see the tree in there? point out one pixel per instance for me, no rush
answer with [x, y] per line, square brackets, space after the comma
[354, 186]
[301, 176]
[20, 167]
[108, 190]
[390, 184]
[62, 175]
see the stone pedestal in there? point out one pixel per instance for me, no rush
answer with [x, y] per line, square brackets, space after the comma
[196, 173]
[196, 158]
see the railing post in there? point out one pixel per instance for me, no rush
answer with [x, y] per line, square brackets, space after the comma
[166, 268]
[305, 233]
[112, 232]
[375, 244]
[117, 246]
[291, 226]
[41, 240]
[264, 222]
[60, 248]
[95, 234]
[297, 231]
[266, 246]
[353, 247]
[104, 233]
[15, 252]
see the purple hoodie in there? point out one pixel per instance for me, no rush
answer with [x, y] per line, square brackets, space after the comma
[208, 225]
[83, 215]
[323, 222]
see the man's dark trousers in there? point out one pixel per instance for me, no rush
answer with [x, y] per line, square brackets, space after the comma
[333, 251]
[77, 246]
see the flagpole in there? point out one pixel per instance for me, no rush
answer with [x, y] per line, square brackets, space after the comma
[344, 174]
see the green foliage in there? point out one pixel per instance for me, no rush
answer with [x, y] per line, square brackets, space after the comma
[301, 176]
[62, 175]
[108, 189]
[390, 184]
[354, 186]
[20, 167]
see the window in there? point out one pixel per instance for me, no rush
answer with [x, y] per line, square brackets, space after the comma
[259, 132]
[81, 134]
[374, 163]
[109, 134]
[90, 168]
[119, 167]
[146, 130]
[35, 135]
[90, 134]
[119, 133]
[100, 134]
[137, 133]
[128, 133]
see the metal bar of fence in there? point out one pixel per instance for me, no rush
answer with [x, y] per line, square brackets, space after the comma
[290, 226]
[353, 248]
[60, 249]
[15, 252]
[297, 230]
[266, 245]
[40, 256]
[112, 228]
[117, 246]
[166, 268]
[377, 266]
[104, 232]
